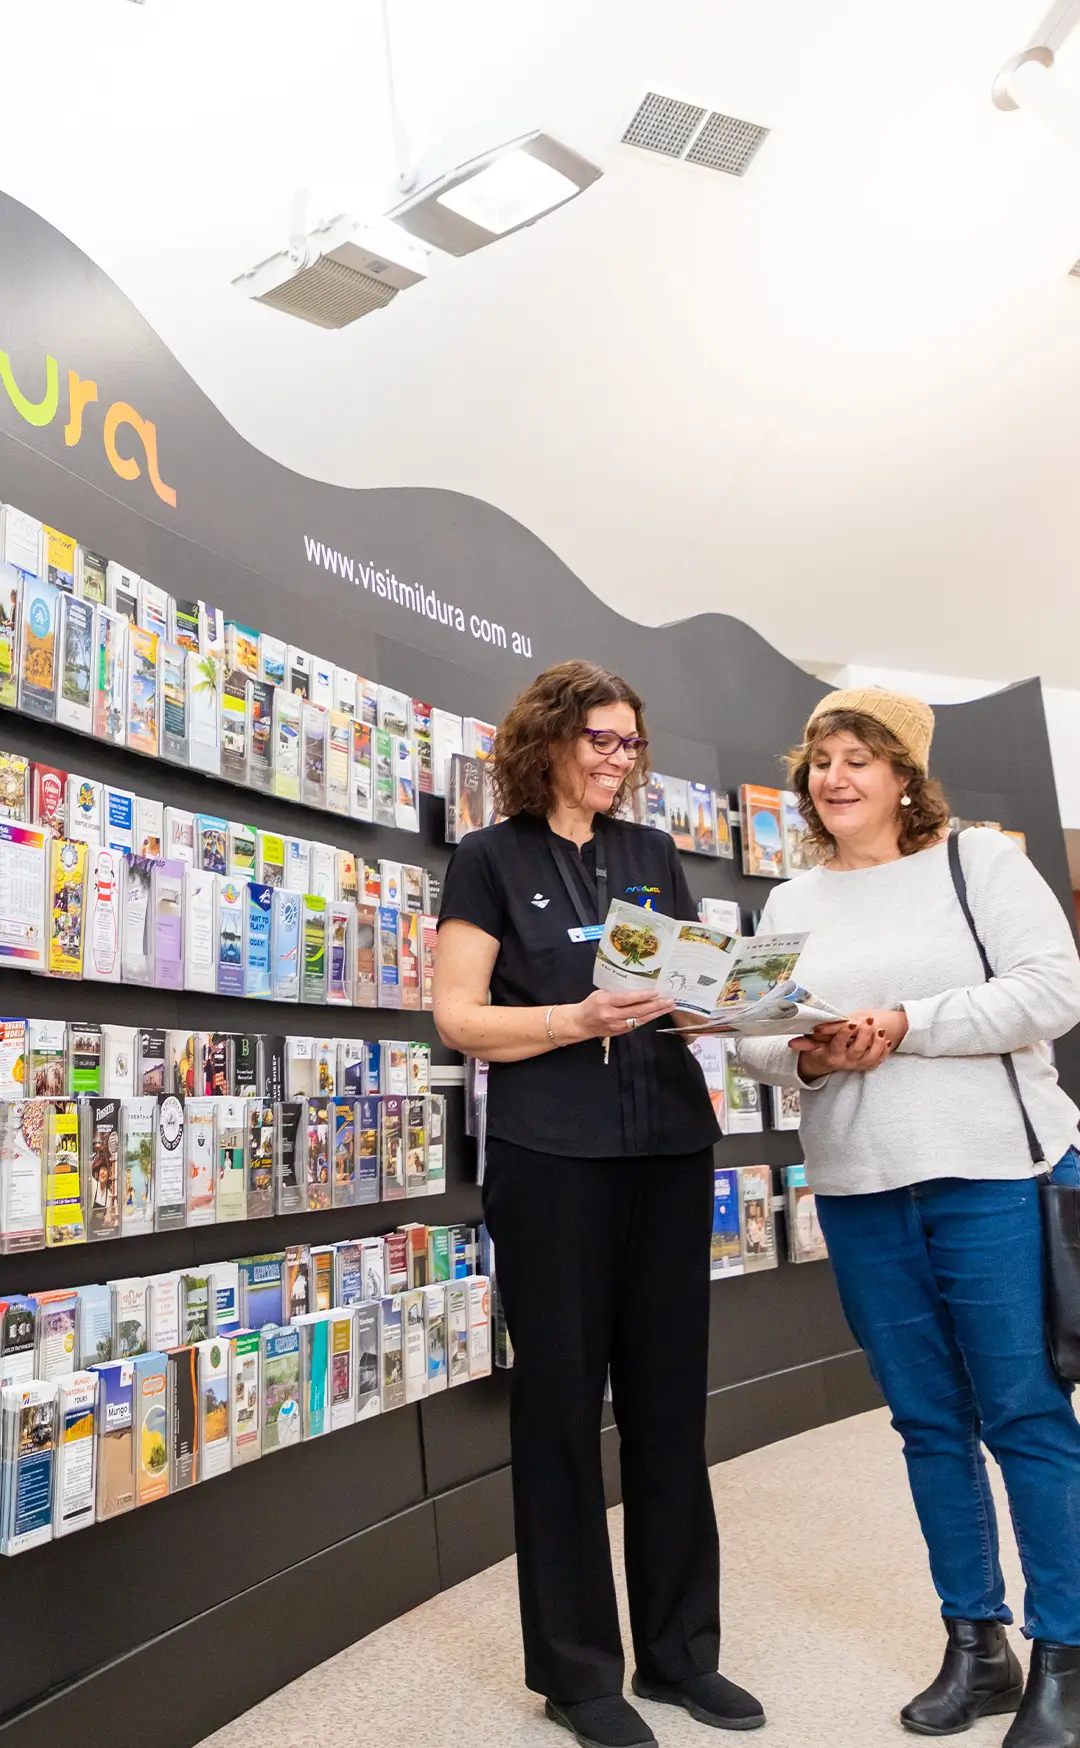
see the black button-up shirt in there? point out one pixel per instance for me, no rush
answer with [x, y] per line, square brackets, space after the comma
[651, 1097]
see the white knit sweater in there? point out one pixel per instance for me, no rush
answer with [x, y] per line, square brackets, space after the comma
[895, 936]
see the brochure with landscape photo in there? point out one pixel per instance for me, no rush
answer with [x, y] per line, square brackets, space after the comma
[731, 983]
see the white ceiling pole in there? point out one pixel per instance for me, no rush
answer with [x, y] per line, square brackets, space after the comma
[1061, 19]
[406, 169]
[298, 223]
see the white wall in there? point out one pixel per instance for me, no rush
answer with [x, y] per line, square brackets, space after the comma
[1062, 706]
[1063, 726]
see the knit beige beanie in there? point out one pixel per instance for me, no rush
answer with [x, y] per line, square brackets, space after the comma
[909, 720]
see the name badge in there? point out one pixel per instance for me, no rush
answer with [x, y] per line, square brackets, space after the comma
[593, 933]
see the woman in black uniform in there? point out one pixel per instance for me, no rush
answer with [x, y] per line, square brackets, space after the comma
[598, 1196]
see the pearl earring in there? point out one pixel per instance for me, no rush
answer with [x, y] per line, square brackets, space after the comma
[905, 800]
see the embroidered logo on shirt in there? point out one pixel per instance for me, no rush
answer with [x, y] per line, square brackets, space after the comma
[540, 901]
[641, 894]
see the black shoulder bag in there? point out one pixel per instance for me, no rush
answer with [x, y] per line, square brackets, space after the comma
[1060, 1203]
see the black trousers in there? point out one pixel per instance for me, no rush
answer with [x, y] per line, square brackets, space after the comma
[605, 1262]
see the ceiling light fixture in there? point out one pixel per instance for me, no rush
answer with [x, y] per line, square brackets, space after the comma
[474, 187]
[460, 198]
[1028, 81]
[471, 190]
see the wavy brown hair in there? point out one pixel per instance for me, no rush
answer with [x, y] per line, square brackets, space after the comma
[919, 825]
[551, 713]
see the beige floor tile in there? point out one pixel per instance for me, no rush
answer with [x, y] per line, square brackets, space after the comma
[829, 1616]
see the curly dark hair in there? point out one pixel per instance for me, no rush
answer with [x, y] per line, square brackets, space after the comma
[552, 711]
[920, 825]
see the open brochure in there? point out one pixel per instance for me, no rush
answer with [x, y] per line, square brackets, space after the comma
[730, 983]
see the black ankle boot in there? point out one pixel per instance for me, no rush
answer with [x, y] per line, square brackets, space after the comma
[1049, 1715]
[979, 1677]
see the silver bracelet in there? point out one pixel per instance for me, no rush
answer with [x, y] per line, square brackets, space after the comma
[547, 1025]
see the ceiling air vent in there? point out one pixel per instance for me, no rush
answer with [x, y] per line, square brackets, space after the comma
[1074, 270]
[726, 144]
[662, 124]
[694, 134]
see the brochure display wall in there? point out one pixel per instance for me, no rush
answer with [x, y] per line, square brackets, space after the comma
[182, 1615]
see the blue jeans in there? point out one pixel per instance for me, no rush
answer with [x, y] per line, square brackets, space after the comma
[942, 1284]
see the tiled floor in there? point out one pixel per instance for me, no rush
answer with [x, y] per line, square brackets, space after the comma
[829, 1616]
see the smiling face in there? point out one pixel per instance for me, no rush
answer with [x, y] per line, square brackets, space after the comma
[856, 792]
[587, 778]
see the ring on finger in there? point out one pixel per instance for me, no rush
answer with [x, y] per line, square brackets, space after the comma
[630, 1022]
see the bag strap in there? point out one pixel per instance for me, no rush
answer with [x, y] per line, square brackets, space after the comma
[960, 888]
[598, 887]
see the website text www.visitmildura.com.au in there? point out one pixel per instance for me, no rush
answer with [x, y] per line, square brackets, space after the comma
[414, 598]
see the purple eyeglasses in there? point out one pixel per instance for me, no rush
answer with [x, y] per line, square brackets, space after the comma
[606, 741]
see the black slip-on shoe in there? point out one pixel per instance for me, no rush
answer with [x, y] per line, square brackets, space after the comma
[711, 1699]
[602, 1723]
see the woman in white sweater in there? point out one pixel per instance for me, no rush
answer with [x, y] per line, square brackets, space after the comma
[916, 1149]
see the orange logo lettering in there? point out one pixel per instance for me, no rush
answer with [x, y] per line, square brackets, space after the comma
[128, 468]
[83, 393]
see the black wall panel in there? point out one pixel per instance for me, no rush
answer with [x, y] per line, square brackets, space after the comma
[475, 1527]
[466, 1433]
[148, 1572]
[219, 1663]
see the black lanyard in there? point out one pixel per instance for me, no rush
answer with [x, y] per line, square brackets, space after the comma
[598, 887]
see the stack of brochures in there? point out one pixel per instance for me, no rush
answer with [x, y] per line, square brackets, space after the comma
[806, 1241]
[72, 1058]
[185, 1376]
[744, 1230]
[227, 910]
[88, 643]
[88, 1170]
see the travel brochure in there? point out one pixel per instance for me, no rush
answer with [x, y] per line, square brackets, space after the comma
[730, 983]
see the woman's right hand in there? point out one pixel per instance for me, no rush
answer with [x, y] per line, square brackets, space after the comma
[852, 1048]
[604, 1014]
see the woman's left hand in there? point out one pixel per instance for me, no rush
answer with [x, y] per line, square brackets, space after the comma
[893, 1022]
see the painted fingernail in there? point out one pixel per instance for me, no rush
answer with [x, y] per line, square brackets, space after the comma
[881, 1031]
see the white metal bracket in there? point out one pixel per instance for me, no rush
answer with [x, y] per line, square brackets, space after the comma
[1059, 23]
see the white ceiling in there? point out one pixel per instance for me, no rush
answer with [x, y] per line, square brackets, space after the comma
[840, 398]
